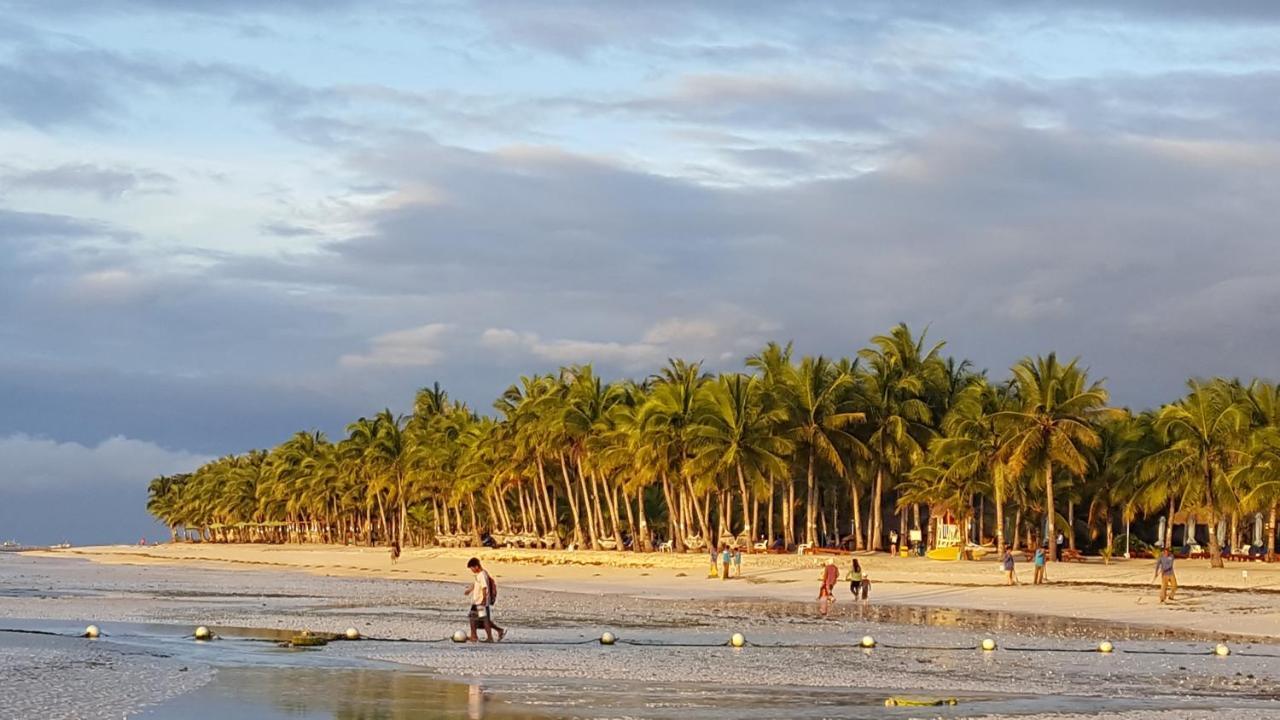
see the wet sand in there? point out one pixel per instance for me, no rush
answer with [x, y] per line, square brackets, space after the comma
[148, 610]
[1242, 600]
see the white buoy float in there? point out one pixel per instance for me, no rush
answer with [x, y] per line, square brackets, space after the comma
[459, 636]
[988, 644]
[608, 639]
[1105, 646]
[1222, 650]
[352, 634]
[868, 641]
[203, 633]
[91, 632]
[738, 640]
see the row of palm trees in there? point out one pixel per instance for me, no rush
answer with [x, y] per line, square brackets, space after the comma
[809, 450]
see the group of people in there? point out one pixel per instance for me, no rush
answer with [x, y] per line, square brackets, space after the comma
[859, 584]
[1164, 574]
[726, 556]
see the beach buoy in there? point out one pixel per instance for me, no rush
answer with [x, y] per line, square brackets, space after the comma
[459, 636]
[1222, 650]
[1105, 646]
[91, 631]
[738, 640]
[203, 633]
[352, 634]
[868, 641]
[607, 639]
[988, 644]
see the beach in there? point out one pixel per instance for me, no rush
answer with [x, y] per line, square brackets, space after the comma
[1242, 599]
[672, 622]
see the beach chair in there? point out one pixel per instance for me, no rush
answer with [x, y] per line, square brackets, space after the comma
[665, 546]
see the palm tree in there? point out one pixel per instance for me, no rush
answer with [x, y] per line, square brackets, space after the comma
[819, 422]
[893, 391]
[970, 448]
[1054, 423]
[1204, 433]
[737, 433]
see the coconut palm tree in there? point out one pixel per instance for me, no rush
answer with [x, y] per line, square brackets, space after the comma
[737, 434]
[819, 422]
[1054, 423]
[1204, 432]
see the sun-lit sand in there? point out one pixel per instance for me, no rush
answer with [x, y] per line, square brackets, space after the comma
[1241, 599]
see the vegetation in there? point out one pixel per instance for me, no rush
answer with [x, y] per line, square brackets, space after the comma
[809, 450]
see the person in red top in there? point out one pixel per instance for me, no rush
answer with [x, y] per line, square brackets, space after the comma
[830, 576]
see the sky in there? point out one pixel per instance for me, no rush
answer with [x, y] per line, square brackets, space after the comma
[223, 221]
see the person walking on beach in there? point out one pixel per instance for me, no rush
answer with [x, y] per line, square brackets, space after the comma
[395, 551]
[725, 560]
[859, 584]
[1164, 572]
[830, 576]
[1010, 577]
[482, 593]
[1039, 563]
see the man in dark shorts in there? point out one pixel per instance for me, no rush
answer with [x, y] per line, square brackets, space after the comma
[481, 603]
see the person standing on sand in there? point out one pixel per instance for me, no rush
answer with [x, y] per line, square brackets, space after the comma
[725, 560]
[395, 551]
[830, 576]
[893, 542]
[1010, 577]
[1164, 572]
[481, 592]
[1039, 563]
[858, 582]
[715, 571]
[737, 561]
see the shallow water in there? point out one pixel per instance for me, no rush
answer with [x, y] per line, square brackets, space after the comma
[147, 614]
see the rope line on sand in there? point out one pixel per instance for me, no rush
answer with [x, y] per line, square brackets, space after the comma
[736, 641]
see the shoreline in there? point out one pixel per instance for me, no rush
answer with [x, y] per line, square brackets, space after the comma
[1224, 602]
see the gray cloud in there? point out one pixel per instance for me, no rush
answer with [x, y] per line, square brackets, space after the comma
[106, 183]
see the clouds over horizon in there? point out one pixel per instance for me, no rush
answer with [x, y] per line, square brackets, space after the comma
[208, 244]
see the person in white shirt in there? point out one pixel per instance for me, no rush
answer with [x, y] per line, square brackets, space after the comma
[482, 596]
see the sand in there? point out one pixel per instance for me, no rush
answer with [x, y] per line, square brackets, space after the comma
[1241, 600]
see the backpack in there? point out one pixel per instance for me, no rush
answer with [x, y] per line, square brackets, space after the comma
[493, 591]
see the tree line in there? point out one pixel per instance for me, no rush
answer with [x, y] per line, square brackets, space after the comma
[806, 450]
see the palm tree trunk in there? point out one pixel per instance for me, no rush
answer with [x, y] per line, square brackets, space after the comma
[773, 491]
[643, 540]
[1048, 511]
[1215, 545]
[873, 531]
[1111, 538]
[1071, 525]
[1168, 526]
[1271, 533]
[553, 521]
[573, 502]
[673, 515]
[789, 515]
[631, 521]
[857, 514]
[746, 518]
[999, 498]
[1017, 524]
[811, 505]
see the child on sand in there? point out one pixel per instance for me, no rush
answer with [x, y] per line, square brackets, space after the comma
[1164, 571]
[715, 571]
[1010, 578]
[1039, 563]
[737, 561]
[724, 563]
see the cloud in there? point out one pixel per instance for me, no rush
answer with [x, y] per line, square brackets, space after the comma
[416, 347]
[54, 491]
[32, 463]
[106, 183]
